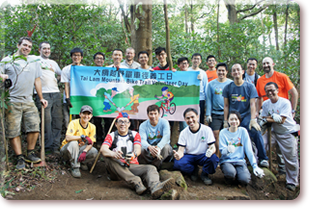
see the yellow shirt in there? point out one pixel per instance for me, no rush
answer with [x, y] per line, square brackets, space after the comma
[75, 129]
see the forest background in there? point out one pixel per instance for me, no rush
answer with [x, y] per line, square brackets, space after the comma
[232, 30]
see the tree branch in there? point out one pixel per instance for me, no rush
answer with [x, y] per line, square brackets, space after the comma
[254, 13]
[250, 8]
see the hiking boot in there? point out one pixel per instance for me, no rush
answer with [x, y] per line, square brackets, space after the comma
[75, 172]
[194, 175]
[160, 187]
[291, 187]
[84, 167]
[264, 163]
[140, 188]
[20, 163]
[32, 158]
[204, 177]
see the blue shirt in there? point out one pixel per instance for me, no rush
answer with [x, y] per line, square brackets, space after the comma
[239, 97]
[242, 143]
[155, 135]
[215, 100]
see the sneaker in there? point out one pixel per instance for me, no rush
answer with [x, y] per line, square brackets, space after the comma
[204, 177]
[84, 167]
[161, 187]
[75, 172]
[20, 163]
[264, 163]
[140, 188]
[32, 158]
[291, 187]
[194, 175]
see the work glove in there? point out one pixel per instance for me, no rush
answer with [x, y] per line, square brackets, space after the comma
[261, 121]
[210, 151]
[254, 124]
[199, 77]
[231, 148]
[258, 172]
[276, 117]
[226, 124]
[89, 141]
[69, 102]
[82, 157]
[209, 119]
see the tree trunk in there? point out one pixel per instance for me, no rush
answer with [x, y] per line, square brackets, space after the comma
[275, 23]
[218, 30]
[286, 20]
[232, 12]
[192, 19]
[186, 18]
[143, 35]
[167, 36]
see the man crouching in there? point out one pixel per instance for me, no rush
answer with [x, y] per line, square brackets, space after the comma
[120, 150]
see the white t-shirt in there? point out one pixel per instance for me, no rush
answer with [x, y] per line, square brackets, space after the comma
[27, 71]
[283, 108]
[203, 84]
[134, 64]
[48, 79]
[65, 77]
[196, 143]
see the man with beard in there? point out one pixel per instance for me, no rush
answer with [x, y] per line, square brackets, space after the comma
[283, 81]
[129, 62]
[53, 112]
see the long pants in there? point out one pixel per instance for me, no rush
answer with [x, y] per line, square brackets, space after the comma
[188, 163]
[257, 137]
[66, 115]
[238, 170]
[71, 151]
[146, 158]
[136, 174]
[202, 106]
[52, 120]
[288, 146]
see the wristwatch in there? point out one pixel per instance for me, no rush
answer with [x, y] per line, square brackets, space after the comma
[293, 111]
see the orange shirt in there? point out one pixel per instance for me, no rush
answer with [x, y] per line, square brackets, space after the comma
[211, 75]
[282, 80]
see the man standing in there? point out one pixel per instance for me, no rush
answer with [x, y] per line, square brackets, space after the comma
[277, 110]
[240, 96]
[196, 148]
[283, 81]
[99, 59]
[211, 72]
[196, 61]
[129, 62]
[78, 144]
[53, 112]
[161, 56]
[121, 150]
[215, 102]
[117, 57]
[250, 75]
[155, 138]
[76, 55]
[23, 74]
[143, 58]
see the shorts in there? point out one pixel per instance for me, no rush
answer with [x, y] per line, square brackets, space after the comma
[217, 122]
[17, 113]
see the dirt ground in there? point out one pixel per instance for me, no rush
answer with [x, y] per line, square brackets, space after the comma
[96, 186]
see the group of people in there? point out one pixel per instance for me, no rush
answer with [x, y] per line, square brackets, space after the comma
[218, 134]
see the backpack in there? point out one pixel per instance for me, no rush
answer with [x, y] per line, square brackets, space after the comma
[114, 143]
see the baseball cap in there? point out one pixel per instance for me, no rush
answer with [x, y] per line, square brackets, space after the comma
[86, 108]
[122, 114]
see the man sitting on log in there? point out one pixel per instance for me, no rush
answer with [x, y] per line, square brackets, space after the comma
[120, 150]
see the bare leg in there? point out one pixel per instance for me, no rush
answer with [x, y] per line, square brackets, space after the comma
[32, 138]
[217, 145]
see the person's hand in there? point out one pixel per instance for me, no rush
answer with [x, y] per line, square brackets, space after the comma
[82, 157]
[199, 77]
[44, 103]
[69, 102]
[176, 155]
[231, 148]
[89, 141]
[153, 150]
[225, 124]
[209, 153]
[258, 172]
[209, 119]
[276, 117]
[4, 76]
[254, 124]
[117, 154]
[173, 70]
[130, 156]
